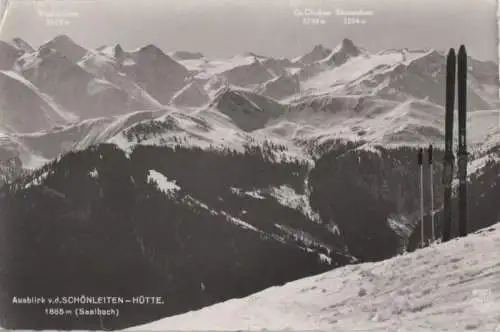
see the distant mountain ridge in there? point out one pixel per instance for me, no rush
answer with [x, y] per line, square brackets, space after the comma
[158, 78]
[328, 94]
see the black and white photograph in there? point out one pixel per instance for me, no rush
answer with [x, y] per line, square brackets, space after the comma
[171, 165]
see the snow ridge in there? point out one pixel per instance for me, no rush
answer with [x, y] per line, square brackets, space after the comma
[444, 287]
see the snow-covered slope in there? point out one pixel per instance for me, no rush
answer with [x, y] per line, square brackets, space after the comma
[147, 73]
[248, 110]
[484, 129]
[159, 74]
[360, 67]
[72, 86]
[192, 95]
[248, 70]
[24, 108]
[281, 86]
[104, 65]
[395, 74]
[37, 148]
[248, 75]
[238, 117]
[376, 121]
[200, 129]
[208, 68]
[8, 55]
[446, 287]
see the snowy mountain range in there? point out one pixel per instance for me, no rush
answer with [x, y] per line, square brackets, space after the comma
[200, 168]
[66, 83]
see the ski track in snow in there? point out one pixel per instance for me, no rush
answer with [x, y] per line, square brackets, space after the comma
[445, 287]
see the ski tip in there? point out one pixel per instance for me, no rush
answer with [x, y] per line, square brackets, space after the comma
[451, 58]
[461, 50]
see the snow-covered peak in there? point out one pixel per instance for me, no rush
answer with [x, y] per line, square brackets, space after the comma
[150, 50]
[105, 64]
[347, 46]
[22, 45]
[118, 50]
[151, 56]
[248, 75]
[156, 72]
[61, 39]
[343, 52]
[67, 47]
[319, 52]
[320, 48]
[44, 56]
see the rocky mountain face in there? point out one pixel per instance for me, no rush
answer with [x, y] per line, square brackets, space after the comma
[8, 55]
[318, 53]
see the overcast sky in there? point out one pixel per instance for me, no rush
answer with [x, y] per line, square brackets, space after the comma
[267, 27]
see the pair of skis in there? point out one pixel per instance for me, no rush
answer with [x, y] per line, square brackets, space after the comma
[456, 70]
[431, 186]
[455, 64]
